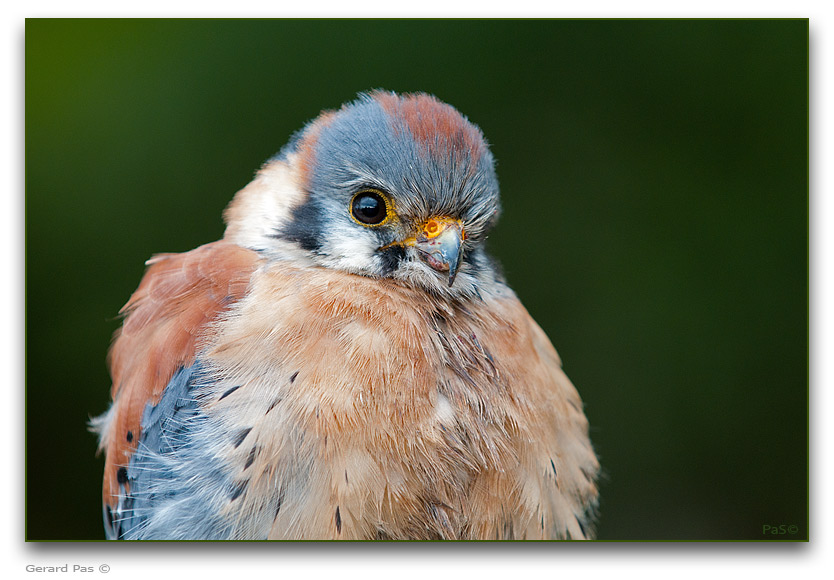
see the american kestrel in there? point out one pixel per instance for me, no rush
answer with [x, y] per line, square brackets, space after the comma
[347, 362]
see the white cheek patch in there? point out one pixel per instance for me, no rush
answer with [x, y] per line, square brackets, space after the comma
[349, 247]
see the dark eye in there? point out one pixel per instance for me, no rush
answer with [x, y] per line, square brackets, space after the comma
[368, 207]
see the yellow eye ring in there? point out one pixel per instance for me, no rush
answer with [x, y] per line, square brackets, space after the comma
[371, 208]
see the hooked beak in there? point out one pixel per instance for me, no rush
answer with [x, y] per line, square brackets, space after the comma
[439, 245]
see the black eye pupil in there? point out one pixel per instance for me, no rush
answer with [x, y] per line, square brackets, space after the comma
[369, 208]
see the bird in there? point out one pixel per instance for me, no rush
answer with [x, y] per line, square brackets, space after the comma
[347, 362]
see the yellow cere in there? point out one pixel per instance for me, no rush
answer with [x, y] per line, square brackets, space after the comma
[436, 226]
[430, 230]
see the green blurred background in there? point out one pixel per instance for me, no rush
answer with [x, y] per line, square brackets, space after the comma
[654, 181]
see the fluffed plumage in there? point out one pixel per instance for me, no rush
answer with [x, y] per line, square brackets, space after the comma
[347, 363]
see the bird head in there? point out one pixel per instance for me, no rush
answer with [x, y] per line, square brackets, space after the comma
[388, 186]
